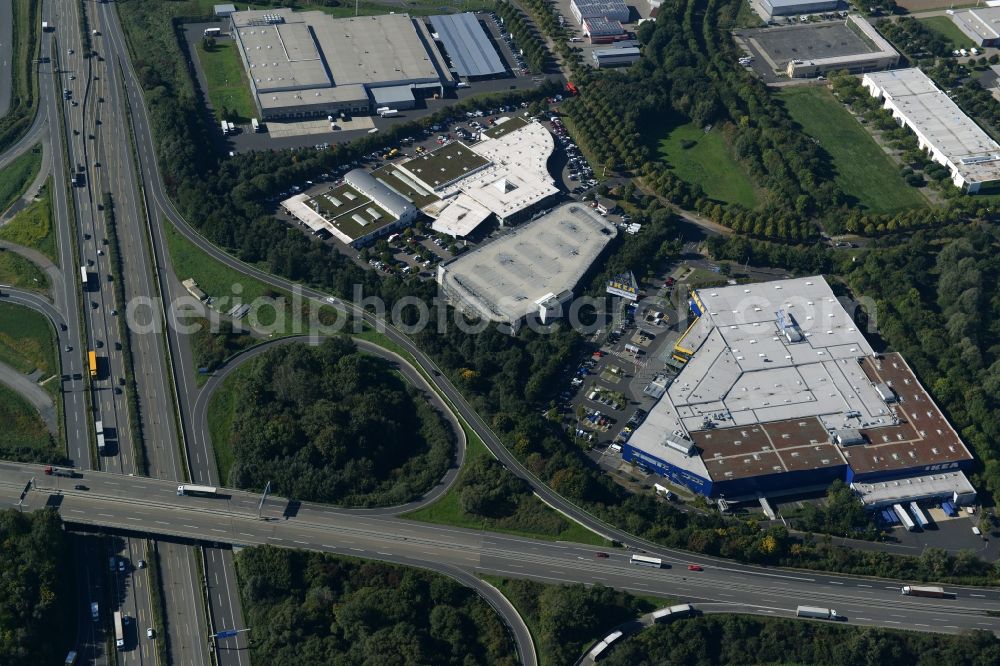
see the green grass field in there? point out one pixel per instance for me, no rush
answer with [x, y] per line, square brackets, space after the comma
[708, 163]
[944, 26]
[27, 341]
[24, 435]
[215, 279]
[221, 409]
[864, 171]
[227, 84]
[32, 227]
[448, 509]
[16, 271]
[16, 177]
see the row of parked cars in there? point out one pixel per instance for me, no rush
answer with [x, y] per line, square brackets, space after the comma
[579, 168]
[509, 39]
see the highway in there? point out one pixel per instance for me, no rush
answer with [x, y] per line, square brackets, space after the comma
[150, 506]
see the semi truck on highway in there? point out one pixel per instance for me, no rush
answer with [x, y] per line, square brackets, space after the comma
[598, 650]
[60, 471]
[119, 632]
[191, 489]
[672, 613]
[817, 613]
[92, 363]
[99, 427]
[84, 277]
[923, 591]
[644, 561]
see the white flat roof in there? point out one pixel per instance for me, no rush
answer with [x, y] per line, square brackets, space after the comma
[307, 58]
[914, 487]
[517, 177]
[460, 217]
[744, 371]
[982, 21]
[934, 115]
[502, 279]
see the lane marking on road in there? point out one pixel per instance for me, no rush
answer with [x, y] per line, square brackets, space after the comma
[834, 582]
[161, 522]
[377, 552]
[246, 534]
[864, 619]
[304, 543]
[918, 624]
[863, 585]
[274, 538]
[215, 529]
[191, 527]
[978, 595]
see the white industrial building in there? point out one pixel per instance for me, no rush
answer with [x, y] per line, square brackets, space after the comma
[306, 64]
[615, 56]
[981, 25]
[530, 271]
[355, 212]
[779, 390]
[614, 10]
[949, 136]
[773, 8]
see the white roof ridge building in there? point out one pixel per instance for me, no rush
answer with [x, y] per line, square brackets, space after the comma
[951, 138]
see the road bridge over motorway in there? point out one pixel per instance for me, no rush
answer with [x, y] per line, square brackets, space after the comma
[152, 507]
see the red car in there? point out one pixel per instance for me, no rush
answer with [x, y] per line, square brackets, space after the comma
[601, 555]
[695, 567]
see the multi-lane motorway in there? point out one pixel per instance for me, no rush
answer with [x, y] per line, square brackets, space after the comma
[151, 506]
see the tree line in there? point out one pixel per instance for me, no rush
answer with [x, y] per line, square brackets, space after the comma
[37, 589]
[315, 608]
[713, 640]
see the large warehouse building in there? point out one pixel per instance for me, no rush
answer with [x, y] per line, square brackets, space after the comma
[772, 8]
[981, 25]
[307, 64]
[950, 137]
[466, 44]
[530, 271]
[780, 391]
[355, 212]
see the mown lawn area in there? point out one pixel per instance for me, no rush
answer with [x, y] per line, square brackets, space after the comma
[227, 85]
[16, 177]
[944, 26]
[27, 341]
[16, 271]
[448, 509]
[23, 435]
[863, 170]
[707, 160]
[32, 227]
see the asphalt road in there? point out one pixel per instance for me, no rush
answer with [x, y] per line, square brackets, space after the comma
[150, 506]
[6, 32]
